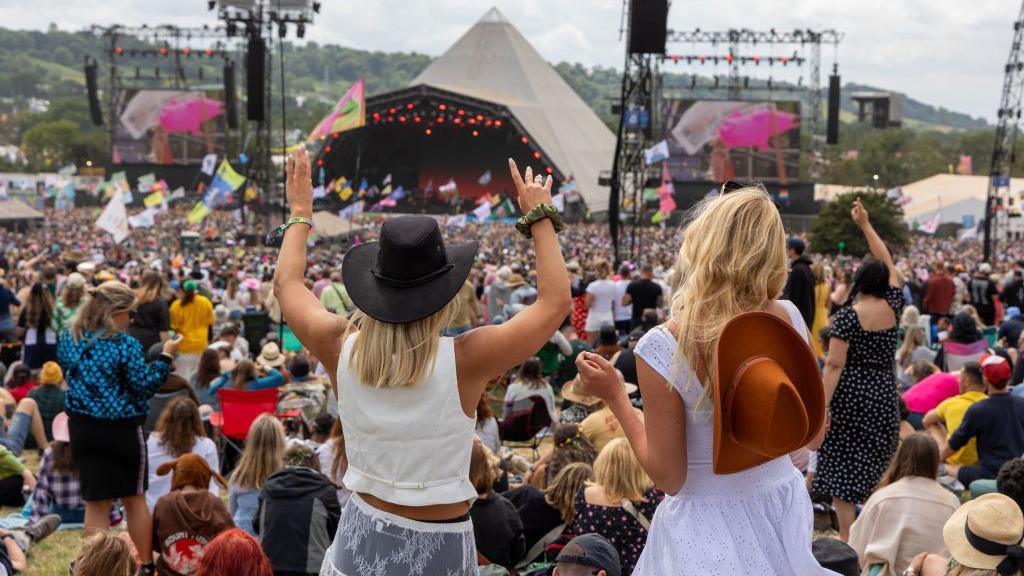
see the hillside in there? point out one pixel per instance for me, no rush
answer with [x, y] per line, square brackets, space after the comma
[48, 65]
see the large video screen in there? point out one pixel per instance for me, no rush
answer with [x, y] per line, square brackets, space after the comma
[167, 126]
[721, 140]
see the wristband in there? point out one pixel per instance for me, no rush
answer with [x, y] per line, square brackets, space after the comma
[276, 236]
[536, 214]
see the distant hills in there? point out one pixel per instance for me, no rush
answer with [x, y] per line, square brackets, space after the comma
[48, 65]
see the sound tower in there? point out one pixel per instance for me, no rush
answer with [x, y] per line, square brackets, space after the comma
[832, 122]
[648, 26]
[230, 101]
[255, 79]
[90, 87]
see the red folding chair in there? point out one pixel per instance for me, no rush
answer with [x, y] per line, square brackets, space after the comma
[238, 410]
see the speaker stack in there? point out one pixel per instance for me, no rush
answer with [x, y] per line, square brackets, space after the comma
[255, 78]
[94, 97]
[648, 26]
[832, 122]
[230, 98]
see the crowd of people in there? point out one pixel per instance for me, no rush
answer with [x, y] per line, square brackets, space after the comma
[470, 400]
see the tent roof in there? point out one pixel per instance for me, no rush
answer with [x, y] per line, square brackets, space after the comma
[329, 224]
[494, 62]
[18, 210]
[941, 192]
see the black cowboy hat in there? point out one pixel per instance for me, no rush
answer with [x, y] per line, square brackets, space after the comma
[409, 274]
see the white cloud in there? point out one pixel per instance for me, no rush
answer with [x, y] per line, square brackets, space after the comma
[948, 53]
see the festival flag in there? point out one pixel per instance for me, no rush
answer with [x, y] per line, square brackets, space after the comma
[384, 203]
[198, 212]
[349, 113]
[363, 185]
[656, 153]
[651, 194]
[505, 209]
[398, 194]
[387, 180]
[225, 182]
[209, 164]
[144, 219]
[69, 170]
[568, 186]
[118, 183]
[784, 197]
[932, 225]
[485, 198]
[485, 179]
[558, 201]
[372, 192]
[114, 218]
[178, 194]
[346, 191]
[154, 199]
[666, 192]
[250, 193]
[483, 211]
[456, 221]
[658, 217]
[319, 192]
[449, 188]
[146, 181]
[352, 210]
[386, 191]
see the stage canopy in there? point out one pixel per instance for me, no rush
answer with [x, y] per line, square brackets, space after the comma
[18, 211]
[330, 225]
[490, 96]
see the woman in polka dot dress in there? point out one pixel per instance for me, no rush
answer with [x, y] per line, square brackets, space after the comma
[860, 383]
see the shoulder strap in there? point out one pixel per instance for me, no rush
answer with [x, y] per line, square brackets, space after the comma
[545, 540]
[632, 511]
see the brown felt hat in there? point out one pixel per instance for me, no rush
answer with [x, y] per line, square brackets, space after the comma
[769, 397]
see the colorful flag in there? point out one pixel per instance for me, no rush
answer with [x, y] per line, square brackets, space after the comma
[198, 212]
[144, 219]
[505, 209]
[146, 182]
[225, 182]
[154, 199]
[456, 221]
[387, 180]
[178, 194]
[352, 210]
[658, 217]
[429, 189]
[449, 188]
[349, 113]
[485, 178]
[363, 185]
[346, 192]
[568, 186]
[651, 194]
[932, 225]
[558, 201]
[319, 192]
[398, 194]
[386, 191]
[656, 153]
[114, 218]
[209, 164]
[68, 171]
[485, 198]
[482, 212]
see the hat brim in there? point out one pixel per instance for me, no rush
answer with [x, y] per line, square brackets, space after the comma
[569, 393]
[402, 305]
[955, 537]
[763, 334]
[270, 363]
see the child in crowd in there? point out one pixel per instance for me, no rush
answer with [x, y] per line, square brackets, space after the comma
[263, 455]
[189, 517]
[298, 514]
[104, 554]
[234, 552]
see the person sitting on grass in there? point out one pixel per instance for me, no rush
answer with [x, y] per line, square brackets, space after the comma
[944, 419]
[497, 527]
[103, 554]
[245, 376]
[189, 517]
[179, 431]
[263, 456]
[49, 396]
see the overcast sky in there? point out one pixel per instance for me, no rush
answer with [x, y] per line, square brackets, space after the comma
[948, 53]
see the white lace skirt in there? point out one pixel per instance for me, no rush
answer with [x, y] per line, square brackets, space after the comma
[371, 542]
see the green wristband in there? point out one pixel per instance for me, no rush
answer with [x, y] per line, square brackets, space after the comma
[536, 214]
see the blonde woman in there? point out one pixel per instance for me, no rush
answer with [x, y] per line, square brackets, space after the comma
[753, 522]
[407, 397]
[104, 554]
[913, 349]
[263, 455]
[619, 504]
[109, 387]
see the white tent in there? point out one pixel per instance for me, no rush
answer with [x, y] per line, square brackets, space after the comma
[953, 196]
[494, 62]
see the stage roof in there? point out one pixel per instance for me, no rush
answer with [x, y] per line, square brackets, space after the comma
[18, 210]
[329, 224]
[494, 62]
[952, 195]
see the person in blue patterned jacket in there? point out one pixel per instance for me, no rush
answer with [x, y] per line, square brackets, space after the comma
[109, 387]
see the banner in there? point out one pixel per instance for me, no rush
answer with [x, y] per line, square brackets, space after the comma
[656, 153]
[198, 212]
[932, 225]
[449, 188]
[144, 219]
[178, 194]
[225, 182]
[68, 171]
[398, 194]
[209, 164]
[483, 211]
[505, 209]
[154, 199]
[349, 113]
[319, 192]
[146, 181]
[457, 221]
[353, 210]
[114, 219]
[485, 179]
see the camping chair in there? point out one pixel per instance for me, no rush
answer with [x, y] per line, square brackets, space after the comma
[956, 354]
[525, 423]
[238, 410]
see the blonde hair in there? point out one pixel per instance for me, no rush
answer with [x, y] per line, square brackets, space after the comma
[733, 260]
[617, 470]
[96, 315]
[913, 338]
[389, 355]
[484, 468]
[562, 490]
[911, 316]
[263, 454]
[104, 554]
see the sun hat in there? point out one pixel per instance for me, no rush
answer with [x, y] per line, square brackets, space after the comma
[51, 373]
[768, 394]
[836, 555]
[409, 274]
[270, 356]
[996, 368]
[60, 428]
[591, 550]
[75, 280]
[571, 392]
[86, 267]
[986, 534]
[514, 281]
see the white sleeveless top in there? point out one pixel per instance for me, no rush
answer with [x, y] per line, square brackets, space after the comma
[407, 445]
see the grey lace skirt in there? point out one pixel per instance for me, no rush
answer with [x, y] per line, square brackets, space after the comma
[370, 542]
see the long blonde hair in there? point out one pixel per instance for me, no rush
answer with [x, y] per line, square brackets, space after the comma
[263, 454]
[104, 554]
[733, 260]
[389, 355]
[617, 470]
[96, 315]
[562, 490]
[151, 286]
[913, 338]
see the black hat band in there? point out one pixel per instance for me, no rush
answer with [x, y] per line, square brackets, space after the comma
[412, 282]
[1014, 560]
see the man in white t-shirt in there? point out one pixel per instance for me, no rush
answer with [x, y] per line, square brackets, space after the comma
[600, 300]
[623, 314]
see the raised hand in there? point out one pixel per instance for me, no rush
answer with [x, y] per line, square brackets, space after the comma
[532, 190]
[299, 184]
[598, 377]
[859, 213]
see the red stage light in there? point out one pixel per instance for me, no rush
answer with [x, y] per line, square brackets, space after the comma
[428, 132]
[462, 112]
[479, 117]
[320, 162]
[442, 107]
[119, 50]
[327, 149]
[417, 119]
[536, 155]
[497, 123]
[163, 51]
[549, 170]
[440, 119]
[475, 133]
[728, 57]
[488, 123]
[376, 117]
[401, 118]
[524, 140]
[335, 135]
[186, 51]
[209, 52]
[472, 120]
[675, 59]
[409, 106]
[457, 120]
[391, 118]
[391, 111]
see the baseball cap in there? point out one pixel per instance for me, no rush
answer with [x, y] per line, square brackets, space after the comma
[996, 369]
[591, 550]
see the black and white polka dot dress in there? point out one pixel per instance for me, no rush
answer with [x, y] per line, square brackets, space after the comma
[865, 409]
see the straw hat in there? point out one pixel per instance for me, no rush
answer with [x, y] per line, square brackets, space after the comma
[768, 393]
[515, 281]
[270, 356]
[986, 534]
[571, 392]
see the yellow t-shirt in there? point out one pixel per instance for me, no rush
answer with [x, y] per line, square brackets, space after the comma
[193, 322]
[952, 411]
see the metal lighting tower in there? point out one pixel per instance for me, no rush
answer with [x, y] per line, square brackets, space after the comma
[1004, 152]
